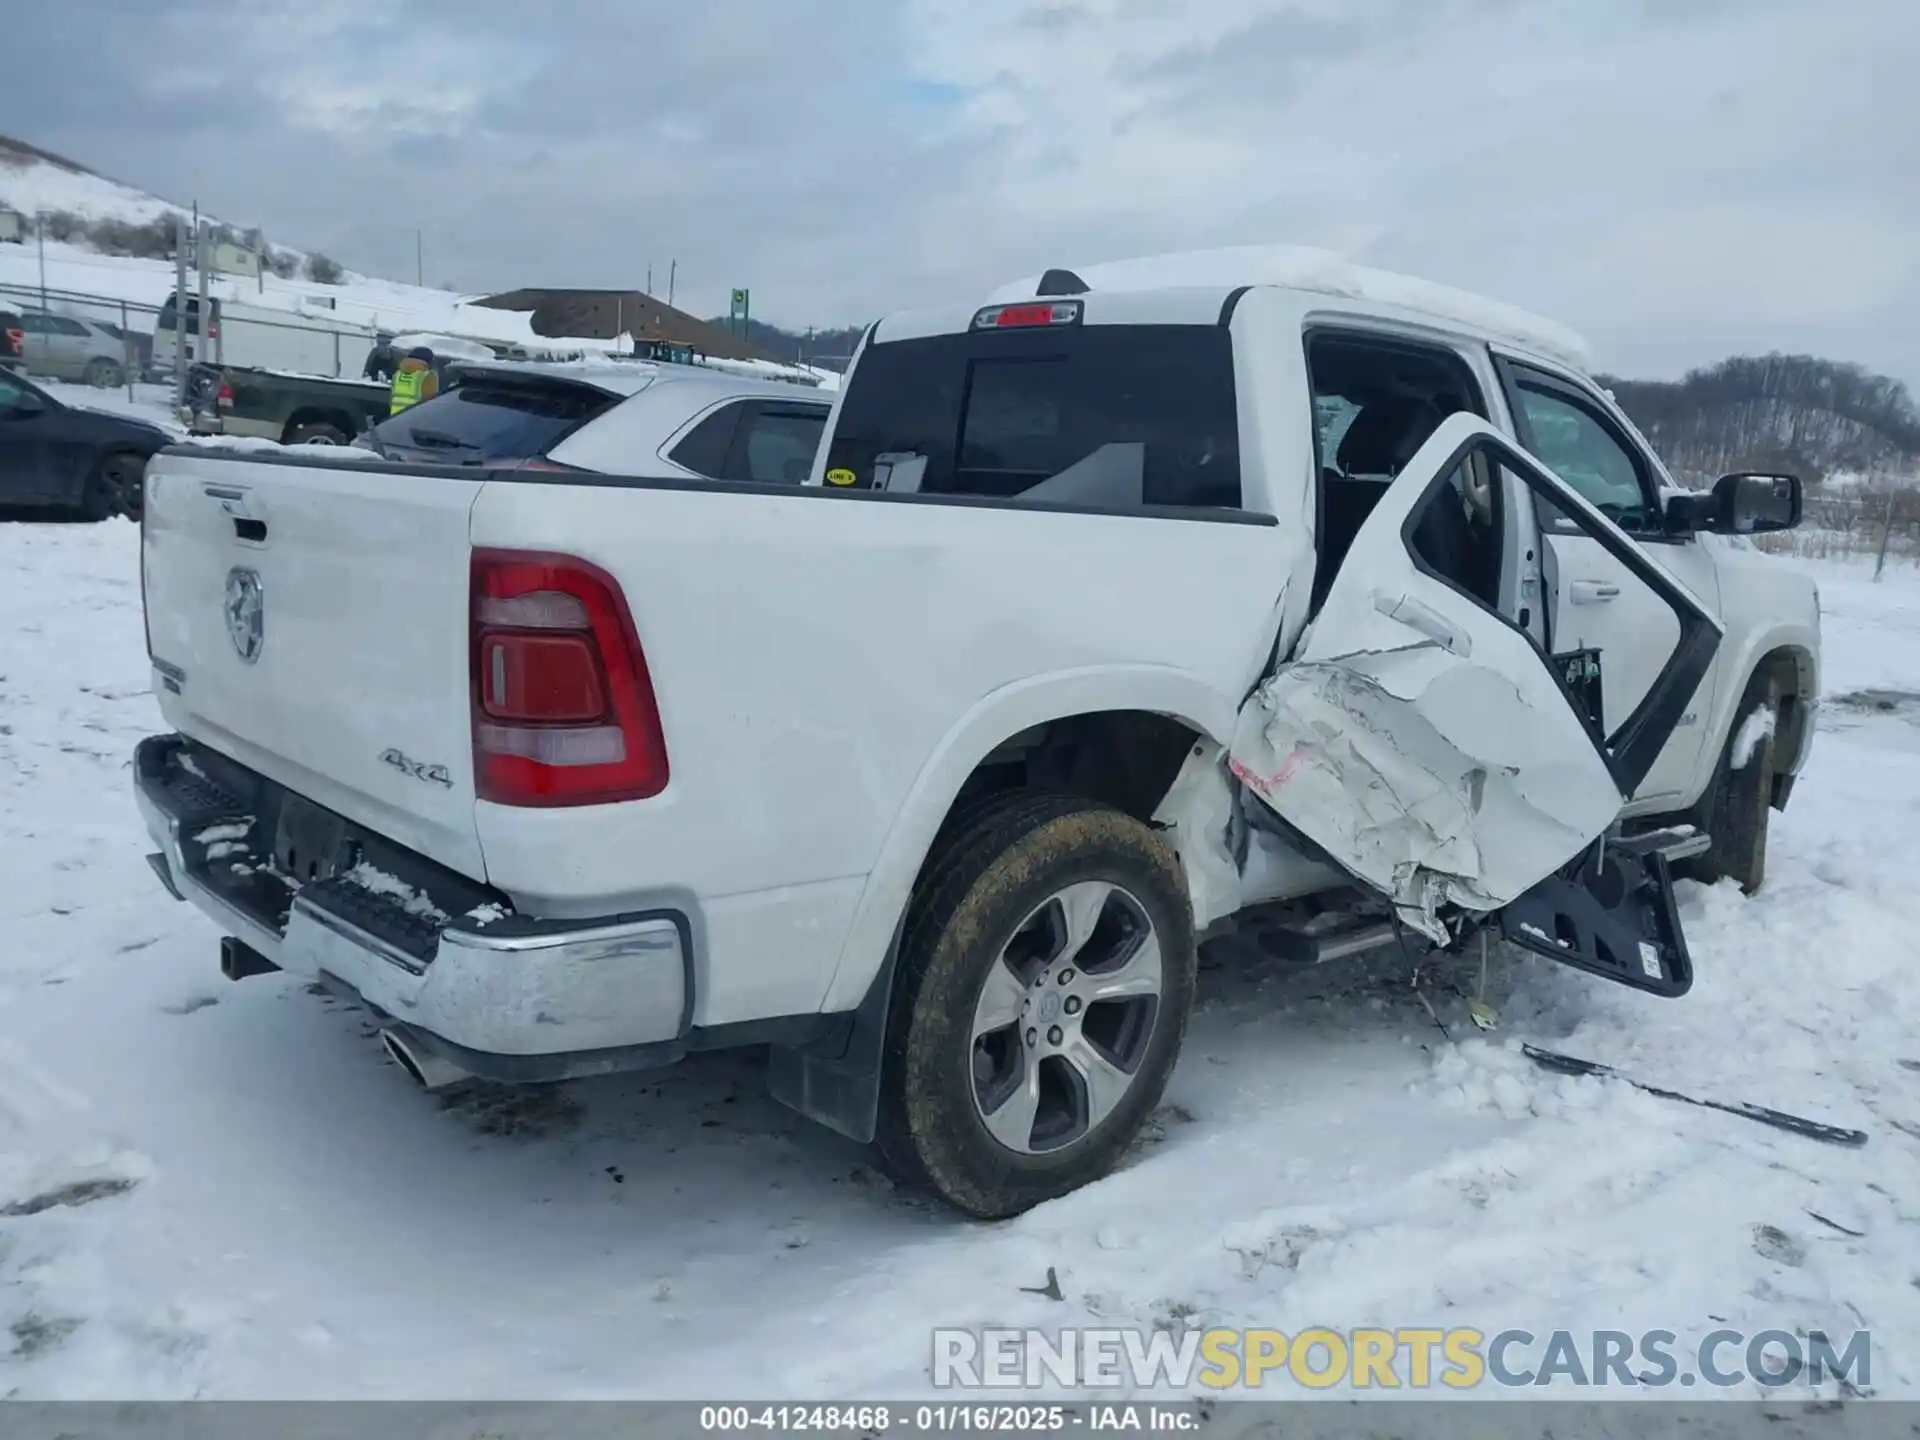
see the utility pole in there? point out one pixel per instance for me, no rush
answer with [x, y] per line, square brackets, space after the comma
[673, 272]
[179, 311]
[419, 258]
[199, 355]
[201, 352]
[649, 279]
[40, 227]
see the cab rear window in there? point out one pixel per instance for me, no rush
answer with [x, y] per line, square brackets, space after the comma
[1107, 416]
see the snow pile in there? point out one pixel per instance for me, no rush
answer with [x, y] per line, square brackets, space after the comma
[1321, 272]
[225, 1191]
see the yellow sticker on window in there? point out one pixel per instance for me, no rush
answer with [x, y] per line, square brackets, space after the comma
[840, 477]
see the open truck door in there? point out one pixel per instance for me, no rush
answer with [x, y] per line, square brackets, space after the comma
[1426, 743]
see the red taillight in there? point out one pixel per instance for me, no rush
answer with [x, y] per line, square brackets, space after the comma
[563, 707]
[224, 396]
[547, 678]
[17, 339]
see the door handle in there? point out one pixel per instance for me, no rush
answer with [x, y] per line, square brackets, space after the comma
[1592, 592]
[1428, 621]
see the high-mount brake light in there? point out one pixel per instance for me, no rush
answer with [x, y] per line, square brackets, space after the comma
[1028, 316]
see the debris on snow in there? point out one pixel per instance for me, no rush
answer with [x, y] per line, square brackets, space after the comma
[1050, 1290]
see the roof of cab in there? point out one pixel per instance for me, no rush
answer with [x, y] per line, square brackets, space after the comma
[1192, 288]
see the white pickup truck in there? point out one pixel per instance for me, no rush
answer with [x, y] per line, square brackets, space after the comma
[1110, 617]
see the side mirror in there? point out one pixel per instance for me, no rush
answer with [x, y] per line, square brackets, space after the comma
[1744, 503]
[1751, 504]
[24, 407]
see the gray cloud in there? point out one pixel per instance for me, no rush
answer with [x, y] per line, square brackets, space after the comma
[1679, 178]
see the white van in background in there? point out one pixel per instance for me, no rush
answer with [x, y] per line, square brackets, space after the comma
[260, 338]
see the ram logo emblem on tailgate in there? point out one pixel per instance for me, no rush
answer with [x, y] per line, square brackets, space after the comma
[246, 611]
[437, 774]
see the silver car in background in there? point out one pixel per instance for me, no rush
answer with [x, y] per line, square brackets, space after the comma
[66, 347]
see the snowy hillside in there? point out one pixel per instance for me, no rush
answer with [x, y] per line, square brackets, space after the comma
[360, 300]
[32, 184]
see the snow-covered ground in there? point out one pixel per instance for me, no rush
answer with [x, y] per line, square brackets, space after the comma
[221, 1190]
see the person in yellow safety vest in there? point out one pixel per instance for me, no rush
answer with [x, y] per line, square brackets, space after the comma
[414, 380]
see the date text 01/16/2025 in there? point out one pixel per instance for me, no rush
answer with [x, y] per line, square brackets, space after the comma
[876, 1420]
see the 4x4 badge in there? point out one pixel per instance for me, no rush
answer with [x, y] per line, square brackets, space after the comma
[436, 774]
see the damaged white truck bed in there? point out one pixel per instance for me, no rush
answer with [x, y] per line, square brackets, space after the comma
[1108, 618]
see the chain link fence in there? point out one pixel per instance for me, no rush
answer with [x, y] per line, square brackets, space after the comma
[98, 340]
[1880, 518]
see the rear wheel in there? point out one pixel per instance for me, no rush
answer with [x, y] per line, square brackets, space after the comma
[114, 488]
[317, 432]
[1735, 809]
[1047, 972]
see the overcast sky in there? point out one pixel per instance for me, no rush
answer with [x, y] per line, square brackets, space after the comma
[1678, 179]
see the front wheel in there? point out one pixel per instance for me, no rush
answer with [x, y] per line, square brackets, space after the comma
[105, 374]
[114, 488]
[1735, 808]
[1046, 976]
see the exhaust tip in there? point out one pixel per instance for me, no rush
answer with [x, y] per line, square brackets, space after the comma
[402, 1057]
[426, 1069]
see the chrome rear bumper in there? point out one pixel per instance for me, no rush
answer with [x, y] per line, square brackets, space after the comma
[506, 996]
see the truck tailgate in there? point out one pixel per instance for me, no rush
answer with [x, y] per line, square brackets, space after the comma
[310, 620]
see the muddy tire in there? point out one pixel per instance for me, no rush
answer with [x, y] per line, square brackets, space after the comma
[1735, 808]
[1046, 975]
[104, 374]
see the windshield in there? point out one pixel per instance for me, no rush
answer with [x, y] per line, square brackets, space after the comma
[1112, 416]
[488, 420]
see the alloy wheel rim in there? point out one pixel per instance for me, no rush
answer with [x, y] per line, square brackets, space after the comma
[1064, 1017]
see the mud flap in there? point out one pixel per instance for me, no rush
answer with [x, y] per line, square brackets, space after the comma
[1610, 913]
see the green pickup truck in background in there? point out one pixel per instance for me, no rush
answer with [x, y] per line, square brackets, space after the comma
[281, 406]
